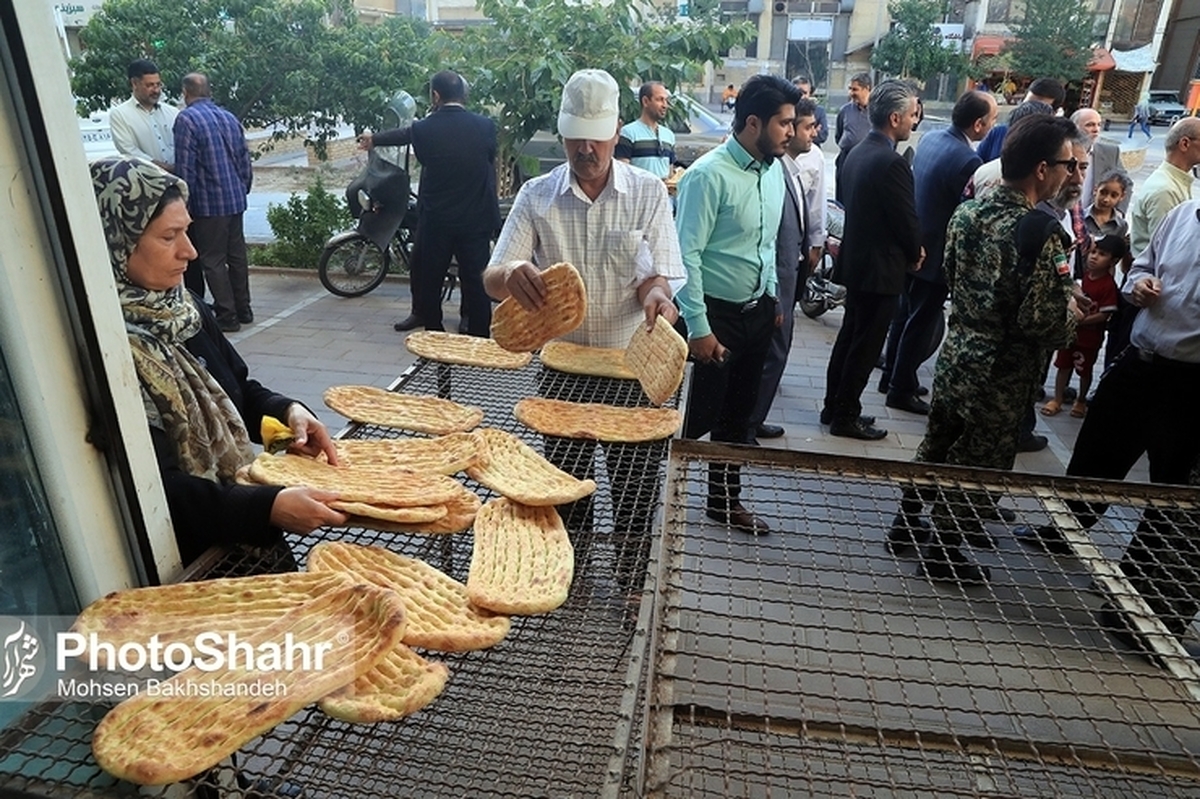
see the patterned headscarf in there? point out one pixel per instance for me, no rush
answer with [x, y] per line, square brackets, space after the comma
[181, 398]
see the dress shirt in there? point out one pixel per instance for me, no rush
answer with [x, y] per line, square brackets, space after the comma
[853, 125]
[728, 212]
[1171, 326]
[616, 241]
[144, 134]
[212, 157]
[812, 184]
[1167, 187]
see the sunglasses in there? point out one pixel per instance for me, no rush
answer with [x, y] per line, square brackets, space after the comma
[1072, 164]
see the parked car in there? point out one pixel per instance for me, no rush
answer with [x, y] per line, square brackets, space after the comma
[1165, 108]
[697, 130]
[96, 135]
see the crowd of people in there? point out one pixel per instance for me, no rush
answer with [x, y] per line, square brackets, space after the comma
[1023, 225]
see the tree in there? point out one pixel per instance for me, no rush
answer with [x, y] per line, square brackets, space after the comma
[913, 48]
[278, 64]
[1054, 40]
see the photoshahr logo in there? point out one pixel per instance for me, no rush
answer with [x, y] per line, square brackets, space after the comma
[22, 657]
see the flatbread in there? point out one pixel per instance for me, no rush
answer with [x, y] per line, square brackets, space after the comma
[657, 357]
[422, 413]
[399, 685]
[595, 421]
[419, 514]
[371, 484]
[522, 562]
[519, 330]
[520, 473]
[460, 514]
[440, 616]
[463, 350]
[155, 740]
[442, 455]
[577, 359]
[182, 611]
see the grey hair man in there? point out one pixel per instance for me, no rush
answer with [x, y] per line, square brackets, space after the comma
[1103, 156]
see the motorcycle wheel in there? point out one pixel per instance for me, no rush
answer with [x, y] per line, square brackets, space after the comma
[812, 301]
[353, 267]
[402, 245]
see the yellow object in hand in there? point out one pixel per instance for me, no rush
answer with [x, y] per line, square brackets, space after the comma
[276, 436]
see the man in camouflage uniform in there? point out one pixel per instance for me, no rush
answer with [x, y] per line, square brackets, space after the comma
[1013, 305]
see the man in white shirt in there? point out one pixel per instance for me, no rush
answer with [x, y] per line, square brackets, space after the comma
[612, 221]
[143, 126]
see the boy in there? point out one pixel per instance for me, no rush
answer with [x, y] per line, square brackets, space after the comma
[1101, 289]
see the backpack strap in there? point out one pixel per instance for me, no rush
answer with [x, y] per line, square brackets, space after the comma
[1032, 232]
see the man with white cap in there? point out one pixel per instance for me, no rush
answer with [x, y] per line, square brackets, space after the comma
[612, 221]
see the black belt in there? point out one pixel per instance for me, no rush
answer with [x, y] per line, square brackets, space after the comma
[734, 307]
[1148, 356]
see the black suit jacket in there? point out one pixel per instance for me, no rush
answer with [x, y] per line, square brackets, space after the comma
[882, 236]
[457, 151]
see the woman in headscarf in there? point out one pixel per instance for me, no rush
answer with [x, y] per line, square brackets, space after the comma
[203, 408]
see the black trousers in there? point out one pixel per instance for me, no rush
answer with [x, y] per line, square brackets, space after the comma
[433, 249]
[910, 334]
[856, 350]
[222, 262]
[723, 395]
[1136, 411]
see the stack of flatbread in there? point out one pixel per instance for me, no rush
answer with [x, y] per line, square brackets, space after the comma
[424, 414]
[378, 495]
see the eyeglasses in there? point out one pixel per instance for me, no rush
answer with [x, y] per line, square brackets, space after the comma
[1072, 164]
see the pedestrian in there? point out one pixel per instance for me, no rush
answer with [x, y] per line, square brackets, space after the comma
[212, 158]
[457, 208]
[1007, 269]
[729, 210]
[1141, 117]
[1042, 90]
[1100, 288]
[882, 243]
[612, 221]
[729, 98]
[852, 125]
[646, 142]
[143, 126]
[804, 84]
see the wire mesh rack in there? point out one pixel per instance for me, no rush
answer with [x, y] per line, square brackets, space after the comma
[552, 711]
[815, 662]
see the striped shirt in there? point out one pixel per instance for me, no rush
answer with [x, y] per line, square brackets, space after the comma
[651, 149]
[617, 241]
[211, 156]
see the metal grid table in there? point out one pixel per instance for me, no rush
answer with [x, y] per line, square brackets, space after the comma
[812, 662]
[549, 712]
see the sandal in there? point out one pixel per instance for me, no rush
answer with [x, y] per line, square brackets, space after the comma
[1079, 409]
[1051, 408]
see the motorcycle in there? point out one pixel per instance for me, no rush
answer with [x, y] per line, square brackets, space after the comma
[820, 293]
[356, 261]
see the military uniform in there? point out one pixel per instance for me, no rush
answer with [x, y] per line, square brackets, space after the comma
[1003, 327]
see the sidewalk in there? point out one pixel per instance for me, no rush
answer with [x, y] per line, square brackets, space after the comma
[306, 340]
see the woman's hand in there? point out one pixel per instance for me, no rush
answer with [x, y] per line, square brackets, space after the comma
[311, 436]
[303, 509]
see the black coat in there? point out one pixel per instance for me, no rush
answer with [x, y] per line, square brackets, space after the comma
[457, 151]
[205, 513]
[882, 236]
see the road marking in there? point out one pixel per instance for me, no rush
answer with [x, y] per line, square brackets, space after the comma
[258, 327]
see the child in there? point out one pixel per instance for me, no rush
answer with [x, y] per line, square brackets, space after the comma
[1101, 289]
[1103, 217]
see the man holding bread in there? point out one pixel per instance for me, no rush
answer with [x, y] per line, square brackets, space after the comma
[612, 221]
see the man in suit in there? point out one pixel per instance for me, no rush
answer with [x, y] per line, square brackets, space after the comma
[457, 209]
[792, 262]
[943, 164]
[882, 242]
[1103, 156]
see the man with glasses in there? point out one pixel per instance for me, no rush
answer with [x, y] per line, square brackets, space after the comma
[1007, 269]
[645, 142]
[802, 83]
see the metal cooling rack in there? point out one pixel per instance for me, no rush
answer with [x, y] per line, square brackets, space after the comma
[813, 662]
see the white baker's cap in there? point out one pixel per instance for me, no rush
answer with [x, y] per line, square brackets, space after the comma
[589, 107]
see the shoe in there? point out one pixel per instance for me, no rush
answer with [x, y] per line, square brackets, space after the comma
[1079, 409]
[1032, 443]
[922, 391]
[885, 388]
[411, 322]
[739, 518]
[949, 564]
[1045, 537]
[906, 532]
[768, 431]
[908, 402]
[827, 418]
[857, 429]
[229, 325]
[246, 317]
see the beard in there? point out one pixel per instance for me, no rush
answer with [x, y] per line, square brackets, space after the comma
[766, 147]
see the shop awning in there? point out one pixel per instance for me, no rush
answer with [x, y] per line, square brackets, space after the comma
[1101, 60]
[987, 45]
[1139, 60]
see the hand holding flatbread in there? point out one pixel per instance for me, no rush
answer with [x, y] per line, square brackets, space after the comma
[565, 304]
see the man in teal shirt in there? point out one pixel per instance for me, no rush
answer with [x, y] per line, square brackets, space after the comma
[730, 203]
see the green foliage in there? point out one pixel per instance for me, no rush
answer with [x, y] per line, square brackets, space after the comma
[302, 226]
[913, 47]
[1054, 40]
[294, 65]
